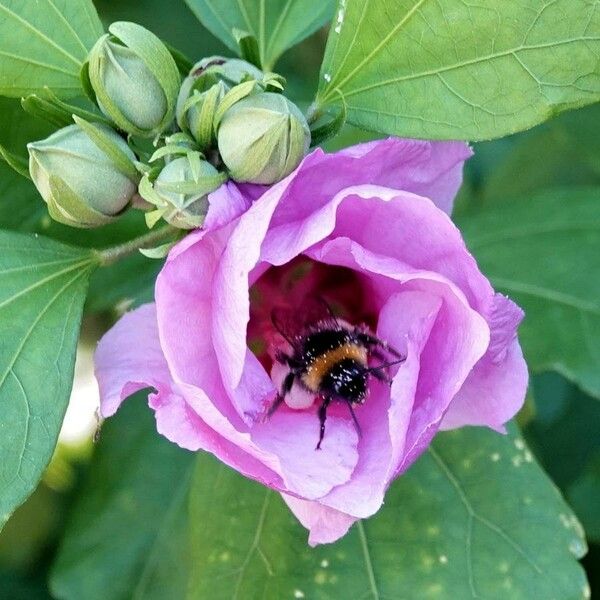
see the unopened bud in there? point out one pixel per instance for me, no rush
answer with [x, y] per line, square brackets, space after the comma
[82, 184]
[202, 90]
[135, 79]
[263, 138]
[180, 192]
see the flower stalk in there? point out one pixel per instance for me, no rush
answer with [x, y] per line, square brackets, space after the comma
[114, 254]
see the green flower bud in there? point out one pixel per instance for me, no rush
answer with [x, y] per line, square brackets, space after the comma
[204, 88]
[135, 79]
[263, 138]
[82, 184]
[180, 192]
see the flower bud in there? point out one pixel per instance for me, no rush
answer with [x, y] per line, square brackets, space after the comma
[180, 192]
[204, 88]
[81, 183]
[135, 79]
[263, 138]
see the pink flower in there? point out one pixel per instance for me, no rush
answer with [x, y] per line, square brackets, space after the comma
[366, 230]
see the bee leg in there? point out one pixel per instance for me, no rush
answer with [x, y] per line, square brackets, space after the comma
[356, 423]
[282, 357]
[322, 419]
[377, 354]
[374, 342]
[288, 382]
[379, 373]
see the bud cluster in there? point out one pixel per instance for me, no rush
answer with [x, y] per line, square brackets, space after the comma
[161, 143]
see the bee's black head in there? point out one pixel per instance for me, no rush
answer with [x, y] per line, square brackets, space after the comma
[347, 379]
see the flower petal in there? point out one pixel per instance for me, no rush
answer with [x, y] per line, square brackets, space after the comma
[429, 169]
[293, 436]
[495, 390]
[326, 525]
[129, 358]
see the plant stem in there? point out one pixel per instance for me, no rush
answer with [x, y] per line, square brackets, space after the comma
[313, 113]
[148, 240]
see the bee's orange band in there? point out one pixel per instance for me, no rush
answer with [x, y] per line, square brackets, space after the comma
[323, 364]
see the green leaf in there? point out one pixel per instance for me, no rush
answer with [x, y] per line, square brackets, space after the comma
[474, 518]
[45, 43]
[584, 494]
[130, 512]
[42, 290]
[563, 152]
[542, 251]
[459, 70]
[248, 47]
[564, 437]
[276, 24]
[564, 434]
[16, 162]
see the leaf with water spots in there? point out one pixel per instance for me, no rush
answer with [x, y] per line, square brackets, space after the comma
[474, 518]
[130, 517]
[542, 250]
[44, 43]
[42, 290]
[276, 24]
[452, 69]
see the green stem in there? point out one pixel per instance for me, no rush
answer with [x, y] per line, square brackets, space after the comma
[153, 238]
[313, 113]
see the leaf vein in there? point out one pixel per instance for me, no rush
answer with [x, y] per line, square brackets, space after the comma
[38, 63]
[43, 281]
[40, 34]
[462, 64]
[368, 562]
[475, 515]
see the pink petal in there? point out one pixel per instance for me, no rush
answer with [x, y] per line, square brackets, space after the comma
[504, 320]
[184, 300]
[495, 390]
[429, 169]
[226, 204]
[325, 525]
[230, 289]
[129, 358]
[293, 436]
[492, 394]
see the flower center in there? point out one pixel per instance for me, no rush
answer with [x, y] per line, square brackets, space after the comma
[295, 289]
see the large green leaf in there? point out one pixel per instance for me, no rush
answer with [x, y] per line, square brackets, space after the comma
[565, 438]
[44, 43]
[276, 24]
[474, 518]
[42, 290]
[130, 515]
[460, 70]
[565, 433]
[543, 252]
[584, 495]
[563, 152]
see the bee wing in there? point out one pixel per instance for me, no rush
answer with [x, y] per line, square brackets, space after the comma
[285, 320]
[291, 323]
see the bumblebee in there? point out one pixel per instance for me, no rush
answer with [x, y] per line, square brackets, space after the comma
[329, 358]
